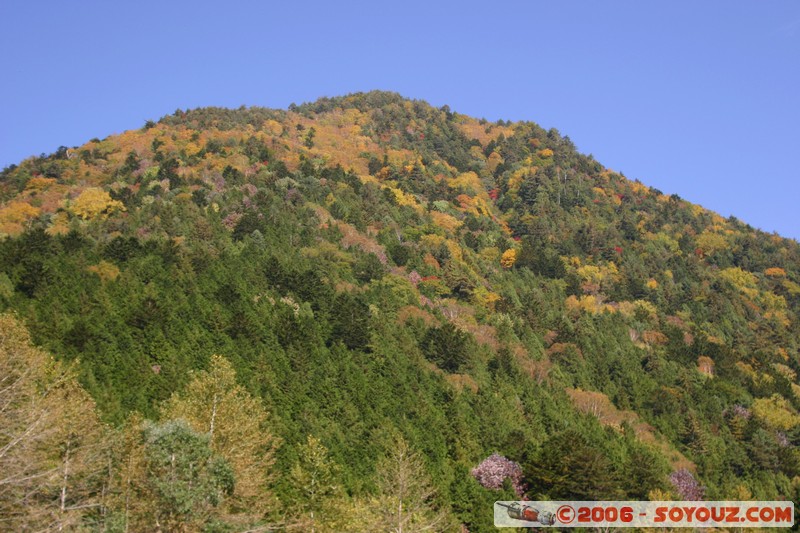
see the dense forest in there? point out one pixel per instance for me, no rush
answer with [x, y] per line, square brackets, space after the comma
[369, 314]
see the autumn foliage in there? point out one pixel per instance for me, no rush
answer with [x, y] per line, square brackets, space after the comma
[509, 258]
[397, 291]
[93, 203]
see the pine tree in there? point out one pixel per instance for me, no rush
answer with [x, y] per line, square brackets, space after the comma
[693, 436]
[570, 466]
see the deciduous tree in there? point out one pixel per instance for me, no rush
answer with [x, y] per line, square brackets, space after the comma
[237, 427]
[313, 477]
[52, 444]
[406, 493]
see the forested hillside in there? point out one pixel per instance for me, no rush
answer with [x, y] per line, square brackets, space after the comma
[264, 319]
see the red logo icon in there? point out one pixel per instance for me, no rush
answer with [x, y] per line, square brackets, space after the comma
[565, 514]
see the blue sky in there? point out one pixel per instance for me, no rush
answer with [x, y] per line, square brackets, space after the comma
[701, 99]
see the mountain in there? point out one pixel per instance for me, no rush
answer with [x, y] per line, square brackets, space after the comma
[308, 306]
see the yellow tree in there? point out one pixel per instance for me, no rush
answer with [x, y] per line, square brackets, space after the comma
[129, 476]
[52, 444]
[509, 258]
[313, 475]
[407, 495]
[94, 202]
[14, 215]
[238, 430]
[776, 412]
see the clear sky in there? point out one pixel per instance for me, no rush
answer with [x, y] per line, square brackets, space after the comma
[698, 98]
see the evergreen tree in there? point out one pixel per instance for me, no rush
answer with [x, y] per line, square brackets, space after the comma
[570, 467]
[446, 346]
[351, 322]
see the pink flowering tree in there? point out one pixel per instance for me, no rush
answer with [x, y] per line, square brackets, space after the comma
[495, 469]
[686, 485]
[740, 411]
